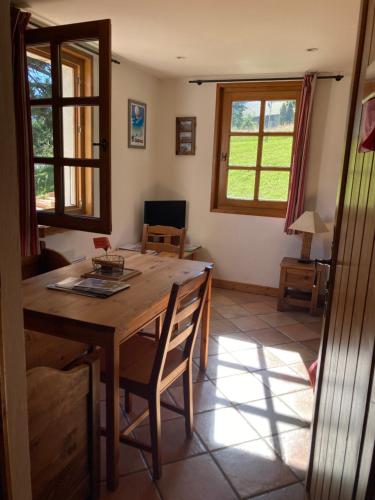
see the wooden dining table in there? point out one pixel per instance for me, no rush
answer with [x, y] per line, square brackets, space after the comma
[109, 322]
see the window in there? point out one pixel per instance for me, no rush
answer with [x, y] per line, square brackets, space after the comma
[254, 140]
[69, 88]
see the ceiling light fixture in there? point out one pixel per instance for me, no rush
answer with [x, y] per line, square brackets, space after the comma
[180, 57]
[312, 49]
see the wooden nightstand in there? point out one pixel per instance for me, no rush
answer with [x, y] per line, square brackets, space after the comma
[300, 284]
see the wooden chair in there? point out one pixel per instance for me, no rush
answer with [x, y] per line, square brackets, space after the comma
[42, 349]
[47, 260]
[148, 368]
[166, 236]
[64, 431]
[172, 242]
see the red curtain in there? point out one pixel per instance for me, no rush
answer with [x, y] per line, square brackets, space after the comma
[300, 154]
[28, 218]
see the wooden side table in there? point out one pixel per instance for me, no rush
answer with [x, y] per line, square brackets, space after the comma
[300, 285]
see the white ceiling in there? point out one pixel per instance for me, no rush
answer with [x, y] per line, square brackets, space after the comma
[220, 37]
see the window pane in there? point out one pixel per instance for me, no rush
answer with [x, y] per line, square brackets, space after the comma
[80, 69]
[68, 81]
[80, 131]
[279, 116]
[44, 187]
[71, 184]
[82, 191]
[274, 186]
[245, 116]
[39, 71]
[41, 122]
[277, 151]
[243, 151]
[241, 184]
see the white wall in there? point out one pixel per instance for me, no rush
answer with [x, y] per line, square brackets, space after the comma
[246, 248]
[133, 171]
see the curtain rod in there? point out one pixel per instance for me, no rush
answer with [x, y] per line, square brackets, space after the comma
[274, 79]
[80, 45]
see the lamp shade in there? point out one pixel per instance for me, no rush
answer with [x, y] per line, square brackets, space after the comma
[309, 222]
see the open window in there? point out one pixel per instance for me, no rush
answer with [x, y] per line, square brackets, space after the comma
[69, 97]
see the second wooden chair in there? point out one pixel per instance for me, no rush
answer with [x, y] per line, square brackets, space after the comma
[169, 239]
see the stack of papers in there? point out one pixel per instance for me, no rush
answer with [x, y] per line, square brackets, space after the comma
[92, 287]
[135, 247]
[190, 247]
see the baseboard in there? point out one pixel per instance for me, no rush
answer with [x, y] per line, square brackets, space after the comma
[245, 287]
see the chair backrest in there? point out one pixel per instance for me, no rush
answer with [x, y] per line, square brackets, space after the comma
[166, 236]
[181, 321]
[47, 260]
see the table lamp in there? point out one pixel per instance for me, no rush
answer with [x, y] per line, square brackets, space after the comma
[308, 223]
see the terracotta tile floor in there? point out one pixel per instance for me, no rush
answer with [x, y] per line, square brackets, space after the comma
[252, 410]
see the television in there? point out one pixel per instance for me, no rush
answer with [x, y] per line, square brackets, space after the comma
[165, 213]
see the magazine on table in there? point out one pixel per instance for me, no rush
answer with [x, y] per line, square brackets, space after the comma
[135, 247]
[89, 286]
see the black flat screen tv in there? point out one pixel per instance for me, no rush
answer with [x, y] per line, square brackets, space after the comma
[165, 213]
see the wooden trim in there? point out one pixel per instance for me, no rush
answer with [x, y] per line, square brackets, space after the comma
[257, 91]
[71, 221]
[261, 212]
[216, 149]
[67, 101]
[77, 31]
[44, 231]
[245, 287]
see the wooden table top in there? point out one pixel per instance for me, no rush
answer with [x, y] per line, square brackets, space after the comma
[126, 311]
[295, 263]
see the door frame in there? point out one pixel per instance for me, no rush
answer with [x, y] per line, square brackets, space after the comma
[14, 440]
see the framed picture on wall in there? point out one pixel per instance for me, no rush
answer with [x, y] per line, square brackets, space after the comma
[137, 114]
[185, 135]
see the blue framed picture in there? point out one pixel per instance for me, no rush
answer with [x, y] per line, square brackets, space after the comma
[136, 124]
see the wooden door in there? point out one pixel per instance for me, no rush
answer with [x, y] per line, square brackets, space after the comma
[342, 451]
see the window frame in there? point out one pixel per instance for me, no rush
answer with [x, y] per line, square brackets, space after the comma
[81, 63]
[55, 36]
[256, 91]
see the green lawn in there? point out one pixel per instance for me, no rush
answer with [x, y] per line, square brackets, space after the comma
[243, 152]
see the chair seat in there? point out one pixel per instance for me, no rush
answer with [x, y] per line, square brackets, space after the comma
[137, 358]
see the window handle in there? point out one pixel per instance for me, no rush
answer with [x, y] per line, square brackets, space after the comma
[103, 144]
[223, 156]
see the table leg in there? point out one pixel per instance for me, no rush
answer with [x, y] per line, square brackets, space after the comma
[206, 315]
[113, 415]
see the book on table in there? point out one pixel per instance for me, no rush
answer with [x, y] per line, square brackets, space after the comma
[91, 287]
